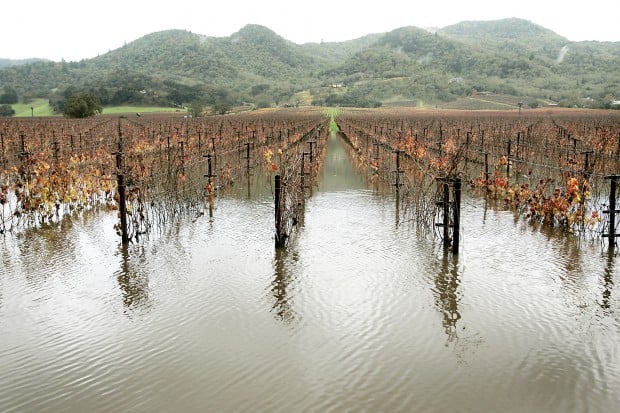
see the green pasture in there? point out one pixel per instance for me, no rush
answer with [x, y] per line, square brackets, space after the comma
[113, 110]
[41, 107]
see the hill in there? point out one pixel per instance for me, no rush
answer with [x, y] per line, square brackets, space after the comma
[511, 57]
[17, 62]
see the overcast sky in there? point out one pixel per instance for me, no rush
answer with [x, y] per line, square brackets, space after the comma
[78, 29]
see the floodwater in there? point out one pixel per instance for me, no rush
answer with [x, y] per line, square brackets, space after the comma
[359, 314]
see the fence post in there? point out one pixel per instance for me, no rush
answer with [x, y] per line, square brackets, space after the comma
[182, 156]
[23, 156]
[311, 143]
[446, 213]
[612, 211]
[486, 167]
[456, 216]
[398, 171]
[2, 145]
[508, 159]
[168, 147]
[209, 170]
[303, 172]
[122, 206]
[587, 169]
[278, 213]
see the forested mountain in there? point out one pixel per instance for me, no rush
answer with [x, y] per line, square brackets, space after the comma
[255, 65]
[17, 62]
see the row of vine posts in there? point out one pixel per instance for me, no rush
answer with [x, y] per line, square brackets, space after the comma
[544, 150]
[164, 166]
[550, 168]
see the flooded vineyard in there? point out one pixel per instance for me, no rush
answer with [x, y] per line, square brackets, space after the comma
[363, 308]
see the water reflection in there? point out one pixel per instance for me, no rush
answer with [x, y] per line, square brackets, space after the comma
[570, 250]
[446, 286]
[338, 174]
[131, 279]
[608, 281]
[48, 249]
[282, 278]
[397, 210]
[352, 302]
[7, 267]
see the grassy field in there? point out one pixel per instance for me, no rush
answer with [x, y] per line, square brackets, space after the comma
[112, 110]
[41, 107]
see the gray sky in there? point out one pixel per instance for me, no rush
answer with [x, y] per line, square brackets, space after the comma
[78, 29]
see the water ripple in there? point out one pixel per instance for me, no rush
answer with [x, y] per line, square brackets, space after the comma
[358, 314]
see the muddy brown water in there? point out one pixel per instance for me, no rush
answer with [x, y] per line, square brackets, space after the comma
[360, 313]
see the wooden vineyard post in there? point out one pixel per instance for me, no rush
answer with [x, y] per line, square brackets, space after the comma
[446, 214]
[398, 171]
[303, 172]
[55, 149]
[209, 174]
[182, 156]
[486, 167]
[311, 143]
[168, 148]
[450, 185]
[467, 155]
[122, 206]
[23, 156]
[3, 158]
[209, 188]
[456, 216]
[587, 169]
[508, 160]
[612, 211]
[280, 237]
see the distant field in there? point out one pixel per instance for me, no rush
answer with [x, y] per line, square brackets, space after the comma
[470, 103]
[492, 101]
[138, 109]
[41, 107]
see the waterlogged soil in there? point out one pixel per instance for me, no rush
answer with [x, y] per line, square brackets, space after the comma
[360, 313]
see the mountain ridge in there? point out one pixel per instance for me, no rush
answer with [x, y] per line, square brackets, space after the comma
[255, 65]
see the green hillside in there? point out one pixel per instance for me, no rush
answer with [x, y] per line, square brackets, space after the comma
[255, 66]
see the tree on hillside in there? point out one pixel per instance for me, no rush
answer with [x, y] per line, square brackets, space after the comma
[180, 94]
[220, 99]
[82, 105]
[9, 96]
[196, 108]
[6, 110]
[222, 107]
